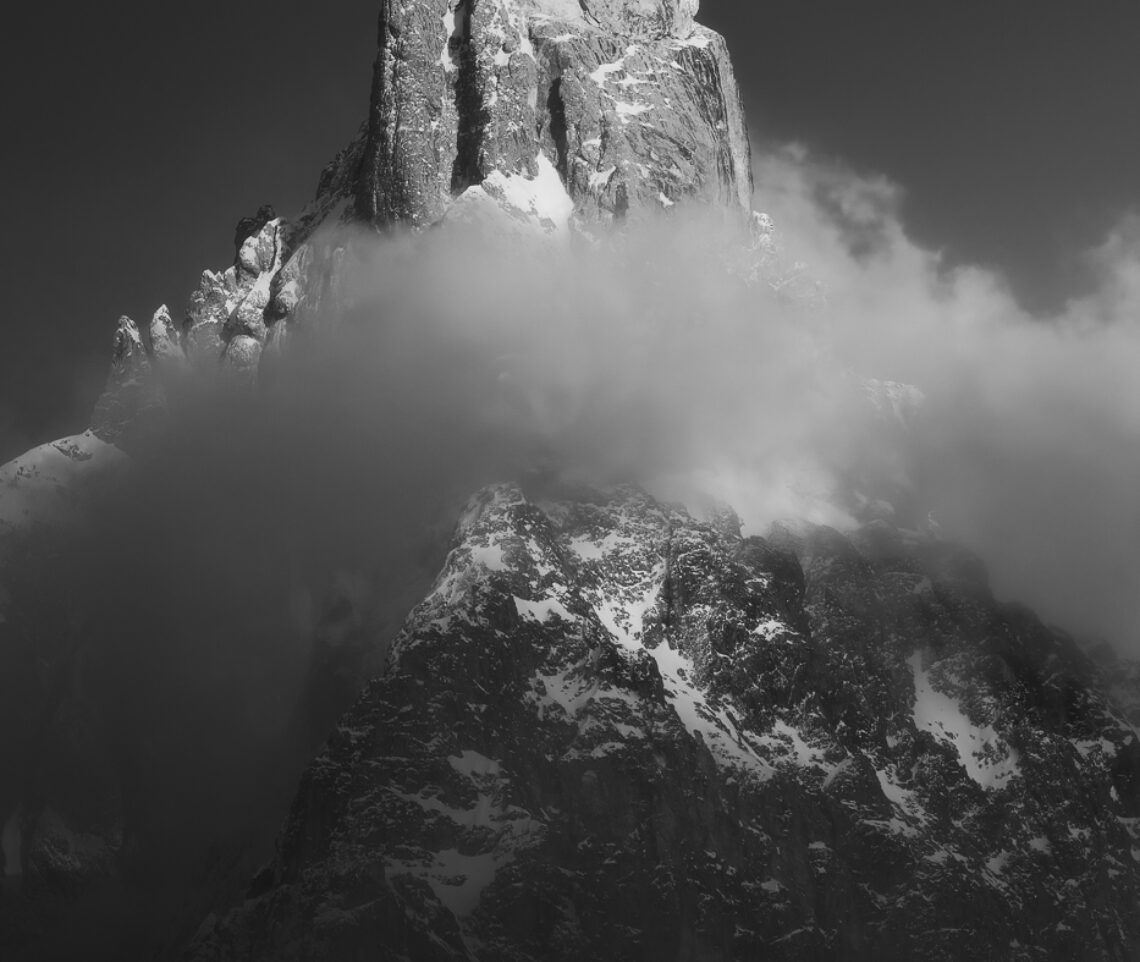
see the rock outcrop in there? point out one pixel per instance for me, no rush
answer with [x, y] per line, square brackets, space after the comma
[634, 105]
[613, 732]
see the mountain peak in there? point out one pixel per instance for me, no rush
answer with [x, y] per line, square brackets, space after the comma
[634, 105]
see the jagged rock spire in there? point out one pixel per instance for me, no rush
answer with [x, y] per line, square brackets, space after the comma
[590, 111]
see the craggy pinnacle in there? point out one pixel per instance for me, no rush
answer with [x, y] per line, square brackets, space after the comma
[607, 110]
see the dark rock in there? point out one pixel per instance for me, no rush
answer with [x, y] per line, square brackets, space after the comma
[633, 105]
[610, 732]
[251, 226]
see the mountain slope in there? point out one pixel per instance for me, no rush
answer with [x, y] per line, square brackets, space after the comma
[611, 731]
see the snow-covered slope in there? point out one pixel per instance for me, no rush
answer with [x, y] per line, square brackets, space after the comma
[51, 483]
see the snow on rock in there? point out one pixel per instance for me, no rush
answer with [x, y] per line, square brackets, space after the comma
[474, 765]
[468, 87]
[542, 197]
[626, 110]
[602, 692]
[988, 760]
[50, 483]
[713, 726]
[542, 611]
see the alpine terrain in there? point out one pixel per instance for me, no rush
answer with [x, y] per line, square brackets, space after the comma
[613, 726]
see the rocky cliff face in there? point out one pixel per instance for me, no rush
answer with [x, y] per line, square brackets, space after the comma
[633, 104]
[554, 114]
[613, 732]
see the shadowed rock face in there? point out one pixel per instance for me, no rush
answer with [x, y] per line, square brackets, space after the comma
[613, 732]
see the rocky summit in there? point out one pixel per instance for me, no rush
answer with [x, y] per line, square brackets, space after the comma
[632, 103]
[550, 114]
[614, 728]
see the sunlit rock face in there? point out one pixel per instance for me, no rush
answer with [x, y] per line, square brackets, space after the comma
[556, 116]
[635, 105]
[647, 19]
[612, 731]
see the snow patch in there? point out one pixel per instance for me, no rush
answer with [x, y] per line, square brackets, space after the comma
[983, 753]
[473, 764]
[49, 482]
[625, 619]
[543, 196]
[457, 880]
[542, 611]
[713, 725]
[601, 178]
[490, 556]
[1089, 747]
[600, 75]
[770, 629]
[451, 32]
[903, 799]
[625, 111]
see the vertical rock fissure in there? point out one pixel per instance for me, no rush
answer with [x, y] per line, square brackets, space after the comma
[556, 109]
[472, 116]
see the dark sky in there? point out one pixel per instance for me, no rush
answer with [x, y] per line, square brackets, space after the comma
[136, 134]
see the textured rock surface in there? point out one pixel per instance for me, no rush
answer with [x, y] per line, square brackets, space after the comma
[548, 113]
[612, 732]
[636, 107]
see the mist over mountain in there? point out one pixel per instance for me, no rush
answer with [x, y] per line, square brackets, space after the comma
[1028, 444]
[532, 551]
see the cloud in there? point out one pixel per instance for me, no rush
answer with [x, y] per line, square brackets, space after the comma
[1029, 436]
[665, 359]
[689, 354]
